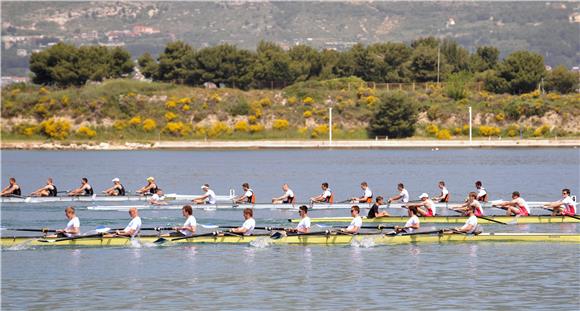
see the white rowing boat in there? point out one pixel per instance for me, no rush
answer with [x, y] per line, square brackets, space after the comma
[104, 198]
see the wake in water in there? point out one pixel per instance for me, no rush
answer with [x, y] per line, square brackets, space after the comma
[262, 242]
[366, 242]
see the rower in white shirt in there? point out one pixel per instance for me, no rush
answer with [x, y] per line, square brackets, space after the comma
[249, 224]
[326, 197]
[190, 225]
[367, 196]
[564, 207]
[470, 226]
[471, 202]
[73, 227]
[481, 193]
[427, 203]
[304, 224]
[134, 225]
[356, 223]
[403, 194]
[444, 196]
[286, 198]
[158, 198]
[207, 198]
[517, 206]
[248, 196]
[412, 223]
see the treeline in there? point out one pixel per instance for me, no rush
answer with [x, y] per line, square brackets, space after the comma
[424, 60]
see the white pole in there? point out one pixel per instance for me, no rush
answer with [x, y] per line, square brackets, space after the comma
[470, 133]
[330, 126]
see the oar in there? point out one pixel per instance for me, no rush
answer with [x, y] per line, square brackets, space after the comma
[552, 210]
[162, 240]
[493, 220]
[44, 230]
[279, 235]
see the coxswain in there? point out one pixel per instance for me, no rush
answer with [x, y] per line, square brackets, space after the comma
[444, 196]
[13, 189]
[326, 197]
[481, 193]
[248, 197]
[470, 226]
[190, 225]
[564, 207]
[304, 224]
[207, 198]
[134, 225]
[427, 204]
[73, 227]
[412, 223]
[517, 206]
[403, 195]
[374, 211]
[356, 222]
[85, 189]
[150, 188]
[471, 202]
[117, 189]
[157, 198]
[367, 196]
[46, 191]
[286, 198]
[249, 224]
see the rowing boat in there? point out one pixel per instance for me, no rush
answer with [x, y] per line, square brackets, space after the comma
[103, 198]
[543, 219]
[322, 239]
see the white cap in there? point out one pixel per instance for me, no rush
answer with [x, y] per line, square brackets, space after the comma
[150, 178]
[423, 195]
[204, 187]
[116, 179]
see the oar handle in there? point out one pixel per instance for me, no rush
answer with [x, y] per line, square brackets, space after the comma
[44, 230]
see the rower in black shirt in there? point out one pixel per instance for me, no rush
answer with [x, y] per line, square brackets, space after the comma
[374, 211]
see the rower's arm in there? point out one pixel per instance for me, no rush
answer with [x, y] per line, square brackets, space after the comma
[74, 230]
[303, 230]
[354, 229]
[203, 197]
[398, 196]
[414, 226]
[239, 230]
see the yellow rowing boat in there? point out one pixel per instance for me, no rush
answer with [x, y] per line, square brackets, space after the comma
[312, 239]
[454, 219]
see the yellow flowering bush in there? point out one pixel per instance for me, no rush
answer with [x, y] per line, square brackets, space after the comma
[443, 134]
[512, 130]
[457, 131]
[43, 90]
[307, 114]
[120, 125]
[184, 101]
[432, 129]
[149, 125]
[553, 96]
[252, 119]
[541, 131]
[256, 128]
[486, 130]
[219, 129]
[280, 124]
[40, 110]
[186, 108]
[86, 132]
[64, 101]
[319, 130]
[215, 98]
[134, 121]
[170, 116]
[308, 100]
[372, 101]
[292, 100]
[500, 117]
[177, 129]
[170, 104]
[56, 129]
[265, 102]
[242, 126]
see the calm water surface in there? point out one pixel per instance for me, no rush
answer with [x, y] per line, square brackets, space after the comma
[453, 276]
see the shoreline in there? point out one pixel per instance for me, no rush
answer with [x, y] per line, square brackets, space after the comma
[294, 144]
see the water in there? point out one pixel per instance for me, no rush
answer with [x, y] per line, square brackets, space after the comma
[450, 276]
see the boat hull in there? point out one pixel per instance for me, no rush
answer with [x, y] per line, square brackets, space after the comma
[332, 239]
[103, 198]
[452, 220]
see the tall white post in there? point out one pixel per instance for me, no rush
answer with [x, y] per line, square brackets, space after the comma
[470, 128]
[330, 126]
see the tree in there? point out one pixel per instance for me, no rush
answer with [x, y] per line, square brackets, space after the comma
[224, 64]
[176, 62]
[485, 58]
[148, 66]
[395, 117]
[391, 58]
[423, 64]
[562, 80]
[455, 55]
[272, 64]
[305, 62]
[522, 71]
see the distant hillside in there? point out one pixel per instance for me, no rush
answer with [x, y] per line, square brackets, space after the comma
[550, 28]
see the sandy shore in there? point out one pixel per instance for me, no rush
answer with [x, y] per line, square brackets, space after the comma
[297, 144]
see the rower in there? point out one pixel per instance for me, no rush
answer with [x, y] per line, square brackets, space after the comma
[207, 198]
[471, 202]
[481, 193]
[117, 189]
[356, 222]
[188, 228]
[13, 189]
[326, 197]
[134, 225]
[564, 207]
[84, 190]
[444, 196]
[427, 203]
[367, 196]
[517, 206]
[286, 198]
[73, 227]
[403, 194]
[304, 224]
[46, 191]
[157, 198]
[412, 223]
[247, 197]
[374, 211]
[470, 226]
[249, 224]
[150, 188]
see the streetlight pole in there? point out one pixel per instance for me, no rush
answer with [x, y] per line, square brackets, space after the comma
[330, 126]
[470, 128]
